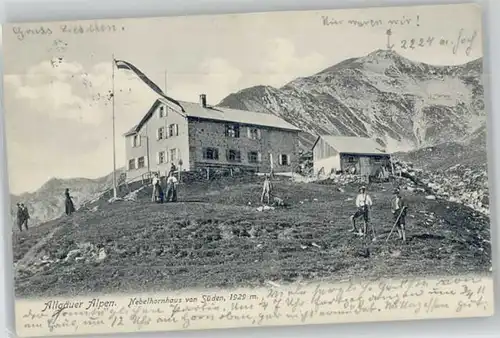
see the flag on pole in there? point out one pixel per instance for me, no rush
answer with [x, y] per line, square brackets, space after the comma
[120, 64]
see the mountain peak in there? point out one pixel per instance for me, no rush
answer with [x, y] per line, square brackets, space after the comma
[384, 53]
[373, 57]
[52, 183]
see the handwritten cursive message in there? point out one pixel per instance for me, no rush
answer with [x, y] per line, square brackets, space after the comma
[24, 32]
[274, 305]
[330, 21]
[402, 33]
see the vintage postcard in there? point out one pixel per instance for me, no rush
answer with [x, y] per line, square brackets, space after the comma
[257, 169]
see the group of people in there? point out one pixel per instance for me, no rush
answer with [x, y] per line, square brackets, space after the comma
[399, 208]
[158, 195]
[23, 216]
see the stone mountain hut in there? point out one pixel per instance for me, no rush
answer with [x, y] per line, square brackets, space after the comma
[197, 136]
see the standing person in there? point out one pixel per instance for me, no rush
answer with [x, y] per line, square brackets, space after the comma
[26, 216]
[363, 203]
[68, 203]
[156, 181]
[20, 217]
[266, 190]
[172, 169]
[171, 188]
[399, 208]
[158, 192]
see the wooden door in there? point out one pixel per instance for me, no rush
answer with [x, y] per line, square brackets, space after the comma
[364, 166]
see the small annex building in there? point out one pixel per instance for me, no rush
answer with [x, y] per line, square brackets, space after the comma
[347, 154]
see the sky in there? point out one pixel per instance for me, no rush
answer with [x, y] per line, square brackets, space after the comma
[58, 116]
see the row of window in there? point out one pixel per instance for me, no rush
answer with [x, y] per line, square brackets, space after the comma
[161, 157]
[235, 156]
[137, 163]
[232, 130]
[172, 130]
[352, 159]
[208, 154]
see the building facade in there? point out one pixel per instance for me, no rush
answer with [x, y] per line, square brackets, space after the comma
[357, 155]
[195, 136]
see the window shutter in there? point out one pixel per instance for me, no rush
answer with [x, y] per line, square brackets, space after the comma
[259, 157]
[249, 132]
[216, 154]
[176, 130]
[288, 160]
[138, 140]
[146, 159]
[158, 133]
[136, 163]
[280, 159]
[158, 158]
[258, 133]
[132, 141]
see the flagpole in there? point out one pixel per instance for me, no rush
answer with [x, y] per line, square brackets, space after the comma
[165, 83]
[113, 110]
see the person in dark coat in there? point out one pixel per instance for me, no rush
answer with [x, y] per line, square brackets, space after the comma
[20, 217]
[158, 193]
[69, 206]
[26, 216]
[172, 169]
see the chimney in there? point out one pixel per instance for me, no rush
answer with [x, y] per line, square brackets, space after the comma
[203, 100]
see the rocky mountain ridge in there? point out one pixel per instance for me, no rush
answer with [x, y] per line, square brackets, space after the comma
[402, 103]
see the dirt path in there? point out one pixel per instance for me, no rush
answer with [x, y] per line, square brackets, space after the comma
[30, 256]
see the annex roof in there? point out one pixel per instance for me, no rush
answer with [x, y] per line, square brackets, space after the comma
[352, 144]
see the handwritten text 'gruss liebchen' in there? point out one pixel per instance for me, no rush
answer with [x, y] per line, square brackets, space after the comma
[23, 33]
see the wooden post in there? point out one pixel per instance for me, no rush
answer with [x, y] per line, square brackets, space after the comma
[208, 173]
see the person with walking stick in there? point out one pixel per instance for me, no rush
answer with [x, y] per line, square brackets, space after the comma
[399, 209]
[363, 203]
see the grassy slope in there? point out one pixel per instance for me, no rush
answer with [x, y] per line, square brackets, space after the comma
[227, 242]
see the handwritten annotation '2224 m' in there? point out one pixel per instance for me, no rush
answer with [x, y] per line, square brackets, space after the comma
[459, 43]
